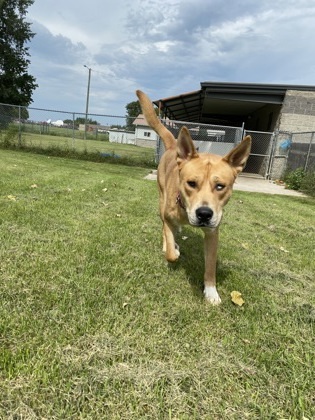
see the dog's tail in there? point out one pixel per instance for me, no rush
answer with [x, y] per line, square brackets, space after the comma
[152, 119]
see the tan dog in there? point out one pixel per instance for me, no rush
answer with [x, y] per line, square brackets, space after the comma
[194, 187]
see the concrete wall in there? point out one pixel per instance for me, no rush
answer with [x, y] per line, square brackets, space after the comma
[146, 143]
[298, 112]
[297, 115]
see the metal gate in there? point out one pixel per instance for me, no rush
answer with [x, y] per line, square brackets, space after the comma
[220, 140]
[260, 159]
[207, 138]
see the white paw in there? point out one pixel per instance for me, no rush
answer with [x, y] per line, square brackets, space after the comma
[211, 295]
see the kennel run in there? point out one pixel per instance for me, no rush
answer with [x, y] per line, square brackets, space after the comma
[271, 154]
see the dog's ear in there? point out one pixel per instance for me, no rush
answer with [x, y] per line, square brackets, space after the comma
[185, 146]
[238, 156]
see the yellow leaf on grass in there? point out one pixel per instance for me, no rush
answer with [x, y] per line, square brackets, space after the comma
[283, 249]
[12, 197]
[237, 298]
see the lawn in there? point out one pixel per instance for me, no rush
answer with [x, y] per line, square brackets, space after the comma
[94, 323]
[62, 145]
[92, 146]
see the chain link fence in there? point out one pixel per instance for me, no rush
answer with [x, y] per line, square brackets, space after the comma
[105, 135]
[221, 139]
[260, 159]
[301, 151]
[120, 137]
[292, 151]
[207, 138]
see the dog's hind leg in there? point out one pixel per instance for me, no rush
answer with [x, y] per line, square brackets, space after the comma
[170, 247]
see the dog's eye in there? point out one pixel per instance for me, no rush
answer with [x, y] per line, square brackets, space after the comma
[219, 187]
[192, 184]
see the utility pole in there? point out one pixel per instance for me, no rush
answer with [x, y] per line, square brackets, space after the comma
[87, 100]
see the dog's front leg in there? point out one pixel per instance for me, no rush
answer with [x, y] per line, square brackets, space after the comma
[170, 247]
[211, 247]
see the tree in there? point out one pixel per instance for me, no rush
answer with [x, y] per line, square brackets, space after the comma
[16, 85]
[133, 110]
[80, 120]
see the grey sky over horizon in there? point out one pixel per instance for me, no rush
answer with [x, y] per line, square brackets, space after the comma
[165, 48]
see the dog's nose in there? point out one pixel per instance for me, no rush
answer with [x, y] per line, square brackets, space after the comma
[204, 214]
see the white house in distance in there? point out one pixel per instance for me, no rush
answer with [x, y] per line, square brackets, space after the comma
[121, 136]
[145, 136]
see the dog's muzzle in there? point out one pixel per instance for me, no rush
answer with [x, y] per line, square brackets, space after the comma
[204, 215]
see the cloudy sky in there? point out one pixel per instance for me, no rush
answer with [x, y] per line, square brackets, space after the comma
[164, 47]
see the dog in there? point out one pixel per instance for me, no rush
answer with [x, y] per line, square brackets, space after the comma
[193, 189]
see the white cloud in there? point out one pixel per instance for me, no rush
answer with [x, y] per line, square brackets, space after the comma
[164, 47]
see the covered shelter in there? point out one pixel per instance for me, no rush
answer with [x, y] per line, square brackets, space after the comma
[256, 106]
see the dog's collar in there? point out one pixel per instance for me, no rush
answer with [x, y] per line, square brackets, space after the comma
[179, 201]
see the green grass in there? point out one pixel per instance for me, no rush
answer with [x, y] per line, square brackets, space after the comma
[94, 324]
[78, 148]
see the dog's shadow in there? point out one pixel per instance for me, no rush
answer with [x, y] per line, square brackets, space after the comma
[191, 246]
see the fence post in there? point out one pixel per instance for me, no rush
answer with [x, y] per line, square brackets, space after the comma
[20, 129]
[158, 149]
[243, 134]
[274, 138]
[309, 152]
[73, 119]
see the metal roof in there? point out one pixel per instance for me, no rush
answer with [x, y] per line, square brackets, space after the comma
[187, 105]
[224, 102]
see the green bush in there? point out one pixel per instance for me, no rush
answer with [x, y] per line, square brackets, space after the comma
[308, 183]
[301, 180]
[10, 135]
[293, 179]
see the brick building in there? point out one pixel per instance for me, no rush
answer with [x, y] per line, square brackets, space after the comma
[298, 111]
[260, 107]
[270, 113]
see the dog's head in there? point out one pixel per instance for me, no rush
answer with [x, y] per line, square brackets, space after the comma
[206, 180]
